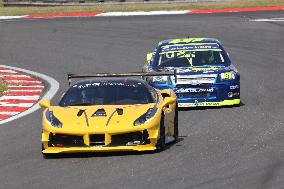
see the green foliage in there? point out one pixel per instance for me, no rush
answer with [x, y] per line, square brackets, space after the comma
[3, 87]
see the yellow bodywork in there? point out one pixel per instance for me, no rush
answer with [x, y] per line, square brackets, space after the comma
[187, 40]
[109, 125]
[149, 57]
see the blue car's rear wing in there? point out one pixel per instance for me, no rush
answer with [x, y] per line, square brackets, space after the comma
[130, 74]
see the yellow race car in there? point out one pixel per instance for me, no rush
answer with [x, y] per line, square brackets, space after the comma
[111, 112]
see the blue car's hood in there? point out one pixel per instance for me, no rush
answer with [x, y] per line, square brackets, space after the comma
[197, 70]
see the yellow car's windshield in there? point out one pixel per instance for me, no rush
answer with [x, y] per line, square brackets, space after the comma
[107, 93]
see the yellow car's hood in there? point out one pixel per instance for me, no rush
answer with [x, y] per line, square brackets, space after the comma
[70, 119]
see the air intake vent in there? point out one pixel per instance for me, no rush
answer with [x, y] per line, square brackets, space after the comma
[97, 140]
[61, 140]
[99, 113]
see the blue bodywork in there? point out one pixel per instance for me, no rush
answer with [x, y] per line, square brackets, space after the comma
[208, 85]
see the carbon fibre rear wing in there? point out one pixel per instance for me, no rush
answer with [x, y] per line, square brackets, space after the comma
[130, 74]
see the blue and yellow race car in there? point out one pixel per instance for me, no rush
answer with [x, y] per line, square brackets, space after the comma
[205, 73]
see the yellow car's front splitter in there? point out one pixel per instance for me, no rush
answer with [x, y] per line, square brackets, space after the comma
[55, 150]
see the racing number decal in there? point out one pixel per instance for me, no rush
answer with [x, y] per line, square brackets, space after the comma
[227, 75]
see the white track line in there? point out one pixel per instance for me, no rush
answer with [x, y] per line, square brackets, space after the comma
[9, 17]
[24, 90]
[11, 75]
[142, 13]
[268, 20]
[8, 113]
[27, 86]
[35, 97]
[16, 105]
[54, 86]
[22, 81]
[8, 71]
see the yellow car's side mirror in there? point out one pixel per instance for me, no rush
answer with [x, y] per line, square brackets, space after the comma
[149, 57]
[166, 92]
[45, 103]
[169, 100]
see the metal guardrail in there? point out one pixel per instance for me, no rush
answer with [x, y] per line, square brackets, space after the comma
[92, 2]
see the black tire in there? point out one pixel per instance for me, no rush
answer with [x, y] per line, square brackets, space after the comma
[46, 156]
[161, 144]
[176, 132]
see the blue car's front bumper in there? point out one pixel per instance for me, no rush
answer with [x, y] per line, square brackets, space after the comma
[202, 95]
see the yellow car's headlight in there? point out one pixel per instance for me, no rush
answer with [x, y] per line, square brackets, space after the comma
[52, 119]
[148, 115]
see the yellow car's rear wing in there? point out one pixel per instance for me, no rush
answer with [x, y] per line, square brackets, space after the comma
[130, 74]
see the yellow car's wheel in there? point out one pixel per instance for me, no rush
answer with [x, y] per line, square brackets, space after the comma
[161, 144]
[46, 156]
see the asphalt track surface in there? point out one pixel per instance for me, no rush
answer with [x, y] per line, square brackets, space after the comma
[239, 147]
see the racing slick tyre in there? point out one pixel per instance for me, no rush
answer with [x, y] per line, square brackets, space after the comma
[176, 124]
[47, 156]
[161, 144]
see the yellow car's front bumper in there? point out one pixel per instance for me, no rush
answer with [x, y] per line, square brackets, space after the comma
[54, 140]
[86, 145]
[55, 150]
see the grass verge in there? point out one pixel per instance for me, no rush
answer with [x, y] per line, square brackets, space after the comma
[3, 87]
[16, 11]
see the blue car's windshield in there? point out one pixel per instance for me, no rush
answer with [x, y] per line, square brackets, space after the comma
[191, 55]
[107, 93]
